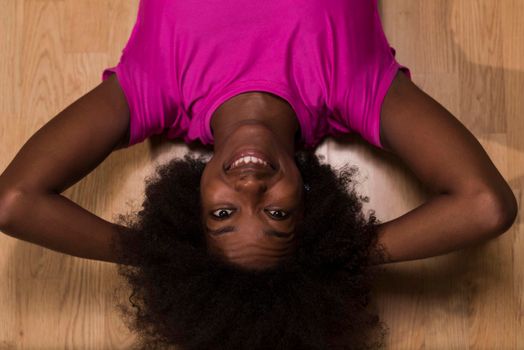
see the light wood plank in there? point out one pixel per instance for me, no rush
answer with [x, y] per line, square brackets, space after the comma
[466, 54]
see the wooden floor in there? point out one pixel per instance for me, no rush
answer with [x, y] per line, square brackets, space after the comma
[468, 55]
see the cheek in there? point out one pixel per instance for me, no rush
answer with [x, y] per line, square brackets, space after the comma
[208, 175]
[205, 193]
[298, 175]
[294, 181]
[212, 189]
[293, 173]
[206, 187]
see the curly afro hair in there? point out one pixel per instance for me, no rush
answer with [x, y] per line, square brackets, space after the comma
[186, 298]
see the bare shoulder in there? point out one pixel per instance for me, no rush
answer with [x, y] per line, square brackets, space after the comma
[111, 91]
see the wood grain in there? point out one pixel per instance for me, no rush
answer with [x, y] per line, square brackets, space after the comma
[466, 54]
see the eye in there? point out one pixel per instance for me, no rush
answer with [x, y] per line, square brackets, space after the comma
[222, 213]
[277, 214]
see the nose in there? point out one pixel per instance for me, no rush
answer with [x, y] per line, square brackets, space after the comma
[250, 183]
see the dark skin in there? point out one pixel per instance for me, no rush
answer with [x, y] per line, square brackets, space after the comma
[472, 202]
[254, 210]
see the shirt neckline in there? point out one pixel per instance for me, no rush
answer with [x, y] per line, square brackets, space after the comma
[238, 87]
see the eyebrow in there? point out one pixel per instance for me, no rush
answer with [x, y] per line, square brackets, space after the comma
[227, 229]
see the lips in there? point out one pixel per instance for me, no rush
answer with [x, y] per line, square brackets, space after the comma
[249, 159]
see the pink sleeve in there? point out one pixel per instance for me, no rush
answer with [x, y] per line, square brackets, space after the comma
[141, 74]
[371, 82]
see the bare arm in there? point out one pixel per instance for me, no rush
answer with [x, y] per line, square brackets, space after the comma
[472, 202]
[57, 156]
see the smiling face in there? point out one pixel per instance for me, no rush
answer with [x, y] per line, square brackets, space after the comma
[251, 193]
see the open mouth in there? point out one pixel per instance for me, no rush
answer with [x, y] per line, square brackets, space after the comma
[249, 160]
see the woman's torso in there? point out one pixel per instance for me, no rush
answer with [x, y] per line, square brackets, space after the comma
[329, 59]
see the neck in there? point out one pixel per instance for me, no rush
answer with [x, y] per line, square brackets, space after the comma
[256, 108]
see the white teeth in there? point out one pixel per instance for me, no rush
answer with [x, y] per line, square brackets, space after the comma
[248, 159]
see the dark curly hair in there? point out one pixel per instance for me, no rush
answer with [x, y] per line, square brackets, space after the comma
[316, 298]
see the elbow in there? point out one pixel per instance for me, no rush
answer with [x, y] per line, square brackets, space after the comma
[3, 210]
[507, 217]
[7, 200]
[499, 212]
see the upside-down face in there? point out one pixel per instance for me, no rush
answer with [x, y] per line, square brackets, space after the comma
[251, 193]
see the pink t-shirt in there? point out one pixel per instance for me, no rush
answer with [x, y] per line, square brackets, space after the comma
[330, 60]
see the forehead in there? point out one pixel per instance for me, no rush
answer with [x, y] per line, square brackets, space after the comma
[241, 245]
